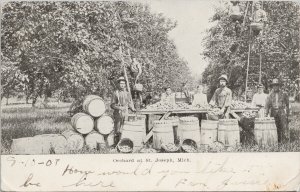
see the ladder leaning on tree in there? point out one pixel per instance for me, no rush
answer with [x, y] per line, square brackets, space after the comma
[251, 58]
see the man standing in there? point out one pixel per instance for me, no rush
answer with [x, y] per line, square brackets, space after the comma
[121, 101]
[185, 93]
[259, 99]
[222, 98]
[168, 96]
[278, 106]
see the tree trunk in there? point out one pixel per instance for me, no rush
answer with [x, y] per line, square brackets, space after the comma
[34, 101]
[7, 99]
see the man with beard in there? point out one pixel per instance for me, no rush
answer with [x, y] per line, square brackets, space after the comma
[222, 98]
[277, 105]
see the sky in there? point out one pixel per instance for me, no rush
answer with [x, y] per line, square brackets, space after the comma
[192, 18]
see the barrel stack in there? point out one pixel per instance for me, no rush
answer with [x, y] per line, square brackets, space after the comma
[91, 128]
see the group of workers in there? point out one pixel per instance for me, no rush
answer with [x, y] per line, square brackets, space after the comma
[275, 104]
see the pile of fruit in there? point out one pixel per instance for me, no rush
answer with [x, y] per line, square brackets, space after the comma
[249, 114]
[239, 105]
[171, 147]
[215, 111]
[189, 148]
[148, 150]
[163, 106]
[125, 149]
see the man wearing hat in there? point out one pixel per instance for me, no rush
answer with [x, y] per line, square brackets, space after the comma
[259, 99]
[277, 105]
[121, 101]
[222, 97]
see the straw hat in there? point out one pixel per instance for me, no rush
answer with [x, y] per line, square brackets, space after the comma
[121, 79]
[224, 77]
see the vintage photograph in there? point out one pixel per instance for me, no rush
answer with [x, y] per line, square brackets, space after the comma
[107, 77]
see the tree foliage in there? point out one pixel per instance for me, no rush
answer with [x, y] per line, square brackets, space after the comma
[227, 50]
[77, 48]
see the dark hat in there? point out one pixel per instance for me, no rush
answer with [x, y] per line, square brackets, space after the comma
[275, 82]
[121, 79]
[260, 85]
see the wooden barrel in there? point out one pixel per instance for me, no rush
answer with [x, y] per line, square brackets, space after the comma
[104, 124]
[94, 105]
[209, 132]
[75, 141]
[83, 123]
[29, 146]
[135, 131]
[94, 139]
[229, 132]
[265, 132]
[58, 142]
[175, 124]
[189, 129]
[162, 133]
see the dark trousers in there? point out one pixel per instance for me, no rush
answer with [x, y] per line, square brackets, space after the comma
[118, 124]
[281, 122]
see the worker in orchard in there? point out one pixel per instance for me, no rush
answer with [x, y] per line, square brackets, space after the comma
[259, 15]
[121, 102]
[236, 16]
[259, 100]
[199, 97]
[185, 93]
[168, 96]
[259, 19]
[222, 98]
[277, 105]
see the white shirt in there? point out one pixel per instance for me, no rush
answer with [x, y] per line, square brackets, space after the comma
[200, 99]
[168, 98]
[259, 99]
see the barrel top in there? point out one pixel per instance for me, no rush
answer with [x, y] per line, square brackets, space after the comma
[265, 119]
[188, 119]
[92, 97]
[162, 122]
[209, 121]
[228, 120]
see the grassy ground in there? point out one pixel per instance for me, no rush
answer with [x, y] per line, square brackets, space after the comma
[21, 120]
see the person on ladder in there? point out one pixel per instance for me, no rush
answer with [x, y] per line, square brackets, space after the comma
[222, 98]
[121, 101]
[236, 16]
[258, 20]
[277, 105]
